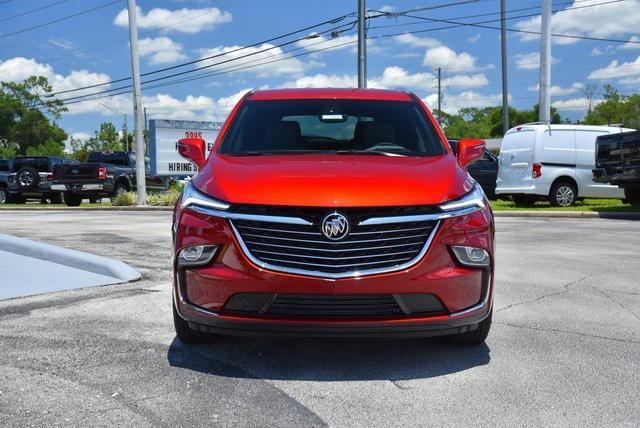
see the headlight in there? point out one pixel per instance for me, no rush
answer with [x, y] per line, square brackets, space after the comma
[192, 196]
[474, 199]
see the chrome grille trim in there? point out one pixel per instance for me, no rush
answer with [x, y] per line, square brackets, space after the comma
[404, 263]
[253, 217]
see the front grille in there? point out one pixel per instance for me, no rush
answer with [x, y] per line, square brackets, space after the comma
[334, 306]
[304, 248]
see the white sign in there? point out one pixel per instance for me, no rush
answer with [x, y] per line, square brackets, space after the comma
[163, 147]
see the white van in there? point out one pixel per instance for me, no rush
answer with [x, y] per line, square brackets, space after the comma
[552, 161]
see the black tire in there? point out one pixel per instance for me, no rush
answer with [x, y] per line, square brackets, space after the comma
[474, 337]
[119, 189]
[632, 195]
[19, 199]
[27, 179]
[563, 193]
[523, 200]
[72, 200]
[56, 198]
[185, 334]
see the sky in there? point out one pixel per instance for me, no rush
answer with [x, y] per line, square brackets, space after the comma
[403, 52]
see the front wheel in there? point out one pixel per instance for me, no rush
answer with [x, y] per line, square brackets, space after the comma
[632, 195]
[474, 337]
[563, 194]
[4, 195]
[72, 200]
[185, 333]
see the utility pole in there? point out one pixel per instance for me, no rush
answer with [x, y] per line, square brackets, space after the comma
[146, 130]
[505, 86]
[137, 104]
[439, 70]
[362, 45]
[545, 63]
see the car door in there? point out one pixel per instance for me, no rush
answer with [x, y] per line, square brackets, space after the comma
[585, 162]
[516, 158]
[485, 172]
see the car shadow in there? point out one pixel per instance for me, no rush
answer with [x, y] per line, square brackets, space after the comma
[328, 359]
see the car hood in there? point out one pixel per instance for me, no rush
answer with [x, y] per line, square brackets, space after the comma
[333, 180]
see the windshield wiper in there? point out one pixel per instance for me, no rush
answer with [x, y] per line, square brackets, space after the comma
[367, 152]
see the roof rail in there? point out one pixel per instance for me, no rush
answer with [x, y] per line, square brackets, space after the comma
[539, 123]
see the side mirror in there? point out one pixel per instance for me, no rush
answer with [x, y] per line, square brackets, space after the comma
[192, 149]
[470, 151]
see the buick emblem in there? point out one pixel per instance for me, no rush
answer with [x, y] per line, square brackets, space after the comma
[335, 226]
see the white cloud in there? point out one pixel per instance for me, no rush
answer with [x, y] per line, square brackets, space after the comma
[82, 136]
[607, 20]
[285, 65]
[321, 42]
[191, 107]
[448, 59]
[453, 103]
[617, 70]
[397, 77]
[418, 42]
[161, 50]
[596, 52]
[530, 61]
[574, 104]
[632, 44]
[19, 68]
[558, 91]
[186, 20]
[465, 81]
[323, 81]
[474, 39]
[630, 81]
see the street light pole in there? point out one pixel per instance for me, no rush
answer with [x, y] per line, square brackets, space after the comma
[545, 63]
[137, 104]
[505, 86]
[362, 45]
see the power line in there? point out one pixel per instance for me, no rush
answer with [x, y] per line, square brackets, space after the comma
[262, 42]
[33, 10]
[456, 24]
[212, 74]
[59, 19]
[195, 77]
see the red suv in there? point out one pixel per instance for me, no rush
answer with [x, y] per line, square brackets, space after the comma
[332, 212]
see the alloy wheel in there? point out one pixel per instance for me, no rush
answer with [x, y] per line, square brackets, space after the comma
[565, 196]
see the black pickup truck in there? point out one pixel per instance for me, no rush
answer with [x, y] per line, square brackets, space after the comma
[104, 175]
[618, 163]
[8, 186]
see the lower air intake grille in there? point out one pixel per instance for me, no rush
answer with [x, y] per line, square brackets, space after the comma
[334, 306]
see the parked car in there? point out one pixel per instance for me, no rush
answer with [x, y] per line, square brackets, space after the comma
[618, 163]
[551, 161]
[484, 170]
[34, 175]
[105, 175]
[8, 187]
[332, 212]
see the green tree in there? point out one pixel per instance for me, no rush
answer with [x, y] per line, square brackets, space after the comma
[106, 138]
[48, 148]
[615, 109]
[23, 115]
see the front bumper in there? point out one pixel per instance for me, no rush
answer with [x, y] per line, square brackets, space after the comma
[200, 294]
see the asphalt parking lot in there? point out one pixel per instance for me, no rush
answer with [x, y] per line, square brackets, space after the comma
[564, 347]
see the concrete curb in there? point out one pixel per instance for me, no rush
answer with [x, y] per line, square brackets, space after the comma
[62, 209]
[569, 214]
[72, 258]
[520, 213]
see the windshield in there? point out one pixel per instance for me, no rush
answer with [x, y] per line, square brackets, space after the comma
[338, 126]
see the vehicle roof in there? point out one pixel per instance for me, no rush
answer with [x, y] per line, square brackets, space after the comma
[330, 93]
[567, 126]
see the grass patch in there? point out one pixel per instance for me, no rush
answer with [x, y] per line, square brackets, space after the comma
[595, 205]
